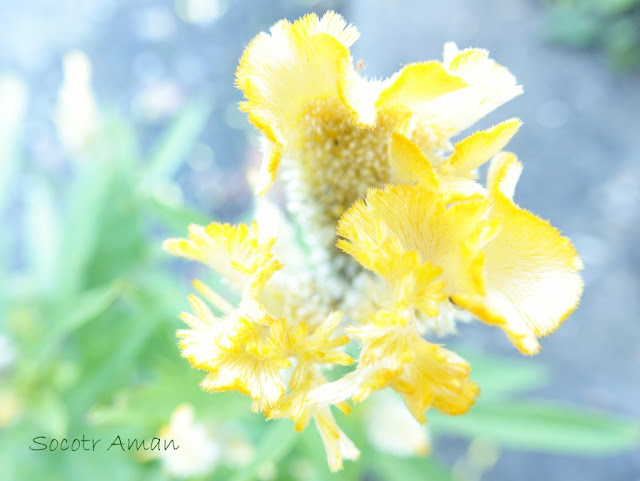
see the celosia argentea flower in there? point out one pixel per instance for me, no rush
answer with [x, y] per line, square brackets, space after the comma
[369, 165]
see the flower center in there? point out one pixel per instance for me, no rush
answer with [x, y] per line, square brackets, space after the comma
[328, 165]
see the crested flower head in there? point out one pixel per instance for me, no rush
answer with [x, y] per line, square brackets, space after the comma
[370, 166]
[330, 127]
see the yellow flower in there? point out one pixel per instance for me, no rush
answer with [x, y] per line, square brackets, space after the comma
[531, 272]
[235, 252]
[397, 222]
[425, 374]
[393, 354]
[237, 350]
[249, 345]
[498, 261]
[455, 176]
[331, 128]
[423, 243]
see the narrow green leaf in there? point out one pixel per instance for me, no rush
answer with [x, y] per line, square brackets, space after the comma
[42, 238]
[119, 145]
[13, 98]
[88, 196]
[278, 439]
[49, 414]
[542, 426]
[612, 7]
[86, 307]
[177, 141]
[178, 217]
[499, 377]
[574, 28]
[391, 468]
[143, 323]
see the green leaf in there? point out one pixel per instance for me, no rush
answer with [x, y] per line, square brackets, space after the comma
[498, 377]
[391, 468]
[13, 98]
[541, 426]
[87, 306]
[178, 217]
[42, 238]
[612, 7]
[88, 196]
[101, 378]
[622, 42]
[573, 28]
[177, 141]
[278, 439]
[119, 145]
[49, 414]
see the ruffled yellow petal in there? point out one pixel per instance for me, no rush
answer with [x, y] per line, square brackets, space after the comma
[320, 345]
[420, 128]
[408, 164]
[473, 151]
[531, 271]
[416, 284]
[423, 373]
[236, 351]
[436, 378]
[235, 252]
[300, 408]
[483, 85]
[258, 378]
[413, 284]
[490, 86]
[200, 343]
[416, 84]
[359, 95]
[448, 238]
[503, 175]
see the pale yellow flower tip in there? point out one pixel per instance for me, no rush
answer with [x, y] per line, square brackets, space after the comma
[490, 85]
[473, 151]
[408, 164]
[417, 83]
[532, 275]
[282, 72]
[336, 443]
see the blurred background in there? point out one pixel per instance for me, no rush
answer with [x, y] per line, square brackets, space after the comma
[119, 126]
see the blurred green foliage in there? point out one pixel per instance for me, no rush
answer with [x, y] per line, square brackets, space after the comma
[610, 25]
[89, 303]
